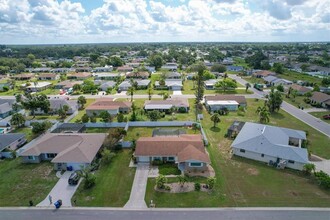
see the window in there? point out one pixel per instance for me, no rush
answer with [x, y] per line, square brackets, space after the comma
[31, 158]
[262, 155]
[50, 156]
[290, 161]
[171, 158]
[242, 150]
[195, 164]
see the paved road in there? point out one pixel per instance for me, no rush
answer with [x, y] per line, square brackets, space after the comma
[166, 214]
[62, 190]
[316, 123]
[136, 199]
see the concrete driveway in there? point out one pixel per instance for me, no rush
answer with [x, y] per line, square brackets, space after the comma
[62, 190]
[323, 165]
[136, 199]
[177, 92]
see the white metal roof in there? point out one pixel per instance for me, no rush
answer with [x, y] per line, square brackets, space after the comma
[223, 102]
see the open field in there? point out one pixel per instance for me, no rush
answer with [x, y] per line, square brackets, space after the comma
[113, 184]
[20, 183]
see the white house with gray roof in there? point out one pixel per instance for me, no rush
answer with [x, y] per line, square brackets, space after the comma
[10, 142]
[271, 144]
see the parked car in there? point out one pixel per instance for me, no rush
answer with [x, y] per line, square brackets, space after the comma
[326, 117]
[74, 178]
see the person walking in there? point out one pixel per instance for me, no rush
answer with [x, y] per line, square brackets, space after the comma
[50, 199]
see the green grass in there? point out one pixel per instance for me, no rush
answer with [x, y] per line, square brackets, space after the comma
[169, 169]
[247, 183]
[83, 111]
[295, 76]
[20, 183]
[27, 131]
[113, 184]
[320, 115]
[97, 130]
[297, 101]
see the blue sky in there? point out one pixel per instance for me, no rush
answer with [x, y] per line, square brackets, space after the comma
[107, 21]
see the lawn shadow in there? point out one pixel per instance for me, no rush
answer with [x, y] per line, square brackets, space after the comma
[215, 129]
[277, 115]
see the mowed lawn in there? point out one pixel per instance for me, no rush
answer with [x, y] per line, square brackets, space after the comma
[20, 183]
[113, 184]
[320, 115]
[246, 183]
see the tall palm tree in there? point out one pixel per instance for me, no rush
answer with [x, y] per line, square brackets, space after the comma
[263, 114]
[131, 91]
[247, 86]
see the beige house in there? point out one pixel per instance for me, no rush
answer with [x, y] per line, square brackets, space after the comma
[186, 150]
[65, 150]
[107, 104]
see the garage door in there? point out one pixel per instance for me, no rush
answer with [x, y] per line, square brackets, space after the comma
[143, 159]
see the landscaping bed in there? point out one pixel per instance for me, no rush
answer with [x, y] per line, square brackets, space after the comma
[169, 169]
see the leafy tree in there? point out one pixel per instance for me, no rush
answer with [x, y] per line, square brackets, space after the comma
[113, 138]
[107, 156]
[195, 126]
[40, 127]
[120, 117]
[89, 178]
[316, 88]
[81, 101]
[89, 86]
[278, 68]
[165, 96]
[226, 84]
[105, 116]
[77, 87]
[256, 60]
[85, 118]
[17, 119]
[156, 61]
[211, 182]
[304, 67]
[218, 68]
[161, 180]
[63, 111]
[35, 102]
[263, 114]
[216, 119]
[154, 115]
[274, 100]
[303, 58]
[247, 86]
[208, 75]
[115, 61]
[280, 88]
[325, 81]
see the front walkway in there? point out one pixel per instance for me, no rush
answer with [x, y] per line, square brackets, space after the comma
[62, 190]
[136, 199]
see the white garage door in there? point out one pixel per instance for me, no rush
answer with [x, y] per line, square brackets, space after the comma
[143, 159]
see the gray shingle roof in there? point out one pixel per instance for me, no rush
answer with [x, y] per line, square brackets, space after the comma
[7, 139]
[272, 141]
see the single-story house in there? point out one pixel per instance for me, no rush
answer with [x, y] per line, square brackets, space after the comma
[228, 61]
[170, 66]
[103, 69]
[61, 70]
[141, 84]
[106, 76]
[166, 105]
[263, 73]
[173, 75]
[271, 144]
[10, 141]
[283, 82]
[171, 84]
[57, 102]
[301, 90]
[66, 85]
[235, 68]
[23, 76]
[151, 69]
[137, 75]
[187, 151]
[269, 80]
[219, 102]
[107, 104]
[108, 84]
[321, 99]
[41, 70]
[81, 68]
[39, 86]
[79, 76]
[190, 76]
[65, 150]
[210, 84]
[70, 128]
[6, 107]
[48, 76]
[125, 69]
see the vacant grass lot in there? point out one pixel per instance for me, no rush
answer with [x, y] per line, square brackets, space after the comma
[113, 184]
[297, 101]
[243, 182]
[20, 183]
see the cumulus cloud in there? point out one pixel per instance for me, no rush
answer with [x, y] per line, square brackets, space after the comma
[279, 10]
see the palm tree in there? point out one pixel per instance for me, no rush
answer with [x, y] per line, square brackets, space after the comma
[131, 91]
[150, 92]
[263, 114]
[247, 86]
[81, 101]
[216, 119]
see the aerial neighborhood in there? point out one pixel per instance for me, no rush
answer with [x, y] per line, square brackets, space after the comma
[162, 125]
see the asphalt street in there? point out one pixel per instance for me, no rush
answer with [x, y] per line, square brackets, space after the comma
[166, 214]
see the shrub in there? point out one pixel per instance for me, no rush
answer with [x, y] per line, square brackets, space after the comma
[160, 181]
[120, 117]
[197, 186]
[169, 169]
[168, 188]
[89, 181]
[182, 110]
[211, 182]
[157, 162]
[323, 179]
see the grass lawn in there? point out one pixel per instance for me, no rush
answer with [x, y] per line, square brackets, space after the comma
[20, 183]
[27, 131]
[298, 101]
[242, 182]
[113, 184]
[44, 117]
[295, 76]
[320, 115]
[169, 169]
[82, 112]
[97, 130]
